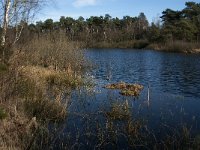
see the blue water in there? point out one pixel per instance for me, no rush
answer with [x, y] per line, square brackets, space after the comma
[174, 81]
[171, 73]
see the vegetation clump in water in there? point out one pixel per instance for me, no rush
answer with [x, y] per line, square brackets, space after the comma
[119, 111]
[126, 89]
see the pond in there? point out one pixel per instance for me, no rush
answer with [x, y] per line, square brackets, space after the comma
[104, 119]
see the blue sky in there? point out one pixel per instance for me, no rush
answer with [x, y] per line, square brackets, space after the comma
[116, 8]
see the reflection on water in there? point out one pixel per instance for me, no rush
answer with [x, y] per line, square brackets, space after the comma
[166, 72]
[174, 81]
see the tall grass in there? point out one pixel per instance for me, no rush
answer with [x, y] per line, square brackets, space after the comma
[177, 46]
[38, 75]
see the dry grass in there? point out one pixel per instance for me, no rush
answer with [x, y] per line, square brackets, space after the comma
[15, 128]
[177, 46]
[126, 89]
[119, 111]
[40, 72]
[42, 76]
[53, 52]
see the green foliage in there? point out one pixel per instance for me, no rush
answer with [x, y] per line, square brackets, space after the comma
[3, 114]
[128, 32]
[154, 34]
[182, 25]
[97, 28]
[48, 24]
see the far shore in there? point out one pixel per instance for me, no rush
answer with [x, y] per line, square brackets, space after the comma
[177, 47]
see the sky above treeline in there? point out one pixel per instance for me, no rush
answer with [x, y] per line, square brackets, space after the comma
[116, 8]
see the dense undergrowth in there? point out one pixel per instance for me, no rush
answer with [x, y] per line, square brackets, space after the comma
[36, 82]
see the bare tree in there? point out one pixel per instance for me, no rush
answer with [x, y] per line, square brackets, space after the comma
[16, 13]
[6, 7]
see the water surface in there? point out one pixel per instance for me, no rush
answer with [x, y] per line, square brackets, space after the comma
[174, 81]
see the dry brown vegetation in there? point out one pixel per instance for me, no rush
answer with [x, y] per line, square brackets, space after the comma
[33, 83]
[126, 89]
[16, 129]
[119, 111]
[177, 46]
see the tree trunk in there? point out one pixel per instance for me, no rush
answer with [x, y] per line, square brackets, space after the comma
[5, 22]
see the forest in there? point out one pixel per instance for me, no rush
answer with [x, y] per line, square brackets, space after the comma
[174, 30]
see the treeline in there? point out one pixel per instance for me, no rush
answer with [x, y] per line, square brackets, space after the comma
[96, 29]
[173, 30]
[178, 25]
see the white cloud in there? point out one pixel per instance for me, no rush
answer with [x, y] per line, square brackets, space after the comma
[82, 3]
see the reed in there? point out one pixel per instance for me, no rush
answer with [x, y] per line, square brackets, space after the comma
[38, 75]
[177, 46]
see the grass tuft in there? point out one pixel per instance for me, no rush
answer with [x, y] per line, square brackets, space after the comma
[119, 111]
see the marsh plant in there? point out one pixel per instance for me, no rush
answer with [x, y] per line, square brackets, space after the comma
[36, 85]
[118, 125]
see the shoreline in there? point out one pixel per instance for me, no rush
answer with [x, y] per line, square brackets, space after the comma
[143, 45]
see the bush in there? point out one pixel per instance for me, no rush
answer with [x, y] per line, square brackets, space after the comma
[55, 52]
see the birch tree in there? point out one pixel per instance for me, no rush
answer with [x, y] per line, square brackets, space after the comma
[15, 13]
[6, 10]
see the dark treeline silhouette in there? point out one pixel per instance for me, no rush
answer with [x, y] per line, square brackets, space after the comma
[177, 28]
[97, 29]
